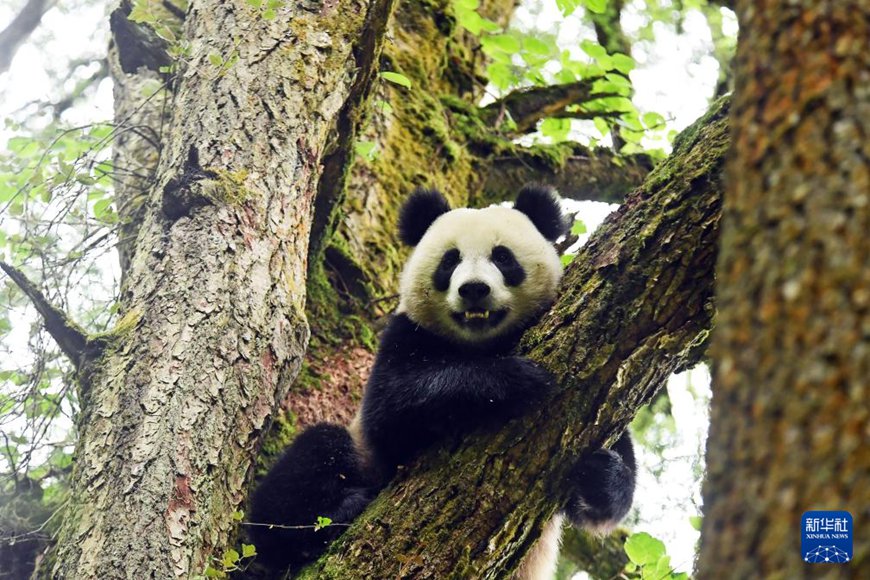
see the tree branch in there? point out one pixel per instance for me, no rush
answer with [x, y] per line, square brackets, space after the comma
[578, 172]
[20, 29]
[633, 304]
[73, 341]
[528, 106]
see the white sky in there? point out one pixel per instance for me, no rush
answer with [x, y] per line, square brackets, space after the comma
[674, 78]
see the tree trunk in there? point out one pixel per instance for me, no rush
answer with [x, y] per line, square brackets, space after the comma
[634, 306]
[214, 330]
[789, 420]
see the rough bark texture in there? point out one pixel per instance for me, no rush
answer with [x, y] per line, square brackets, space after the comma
[214, 330]
[634, 304]
[790, 419]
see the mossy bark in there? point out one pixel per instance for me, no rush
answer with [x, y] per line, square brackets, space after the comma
[633, 305]
[789, 419]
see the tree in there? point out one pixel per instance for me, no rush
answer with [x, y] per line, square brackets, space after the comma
[256, 208]
[789, 411]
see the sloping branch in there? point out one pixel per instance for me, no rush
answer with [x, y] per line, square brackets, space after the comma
[578, 172]
[633, 304]
[70, 337]
[20, 29]
[528, 106]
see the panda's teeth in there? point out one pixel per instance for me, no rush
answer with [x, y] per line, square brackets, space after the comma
[469, 315]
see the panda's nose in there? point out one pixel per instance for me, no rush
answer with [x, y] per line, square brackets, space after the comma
[474, 292]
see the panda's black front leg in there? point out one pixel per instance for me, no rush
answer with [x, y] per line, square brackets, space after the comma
[602, 486]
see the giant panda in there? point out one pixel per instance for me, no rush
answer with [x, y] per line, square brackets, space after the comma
[475, 280]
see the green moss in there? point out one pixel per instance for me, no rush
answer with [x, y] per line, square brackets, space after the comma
[227, 187]
[280, 435]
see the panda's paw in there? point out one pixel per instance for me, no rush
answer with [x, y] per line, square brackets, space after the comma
[602, 488]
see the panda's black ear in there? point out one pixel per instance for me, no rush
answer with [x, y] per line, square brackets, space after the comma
[421, 208]
[543, 206]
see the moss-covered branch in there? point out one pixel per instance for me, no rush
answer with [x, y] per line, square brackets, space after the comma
[529, 105]
[634, 302]
[578, 172]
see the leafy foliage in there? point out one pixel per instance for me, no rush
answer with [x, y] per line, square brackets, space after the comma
[649, 559]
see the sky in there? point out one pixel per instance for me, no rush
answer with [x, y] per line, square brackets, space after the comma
[675, 77]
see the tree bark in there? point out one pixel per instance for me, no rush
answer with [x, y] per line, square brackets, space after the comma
[634, 305]
[789, 419]
[214, 330]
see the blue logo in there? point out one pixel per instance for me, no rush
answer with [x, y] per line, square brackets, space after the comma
[826, 537]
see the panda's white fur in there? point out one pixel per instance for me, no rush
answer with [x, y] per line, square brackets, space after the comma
[474, 232]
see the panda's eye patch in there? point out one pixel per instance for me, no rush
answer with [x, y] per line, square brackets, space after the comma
[508, 265]
[448, 263]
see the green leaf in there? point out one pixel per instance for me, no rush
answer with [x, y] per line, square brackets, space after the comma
[503, 42]
[642, 548]
[593, 49]
[538, 46]
[596, 6]
[101, 208]
[321, 523]
[501, 75]
[696, 521]
[238, 516]
[230, 559]
[366, 149]
[396, 78]
[653, 120]
[567, 7]
[556, 129]
[215, 59]
[248, 550]
[578, 228]
[466, 4]
[567, 259]
[622, 62]
[602, 126]
[618, 80]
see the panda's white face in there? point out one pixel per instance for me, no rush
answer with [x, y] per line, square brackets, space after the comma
[479, 273]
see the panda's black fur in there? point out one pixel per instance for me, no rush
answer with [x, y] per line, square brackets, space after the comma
[425, 385]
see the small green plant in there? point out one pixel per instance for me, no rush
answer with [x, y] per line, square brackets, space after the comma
[648, 559]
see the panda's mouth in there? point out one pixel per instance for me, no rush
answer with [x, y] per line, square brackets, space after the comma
[479, 318]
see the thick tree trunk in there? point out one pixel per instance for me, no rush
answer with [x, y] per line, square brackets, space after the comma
[214, 330]
[635, 305]
[789, 414]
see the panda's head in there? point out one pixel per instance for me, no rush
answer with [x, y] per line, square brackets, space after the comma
[478, 274]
